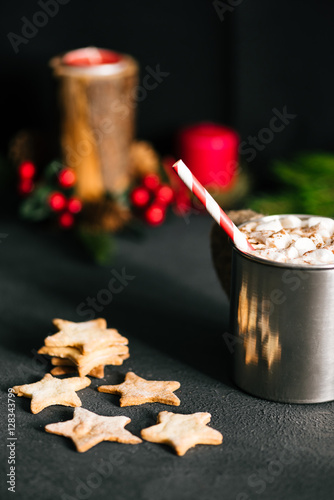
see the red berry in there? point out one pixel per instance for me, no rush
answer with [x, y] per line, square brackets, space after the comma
[26, 186]
[66, 220]
[140, 197]
[155, 214]
[164, 194]
[151, 181]
[57, 201]
[27, 170]
[74, 205]
[67, 177]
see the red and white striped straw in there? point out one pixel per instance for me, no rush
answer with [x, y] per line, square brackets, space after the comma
[238, 238]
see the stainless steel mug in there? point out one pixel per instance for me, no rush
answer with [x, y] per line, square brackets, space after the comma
[282, 319]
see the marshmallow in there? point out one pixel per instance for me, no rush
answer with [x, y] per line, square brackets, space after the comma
[278, 257]
[291, 221]
[260, 236]
[293, 240]
[323, 222]
[304, 245]
[250, 226]
[291, 253]
[270, 254]
[280, 240]
[320, 256]
[273, 225]
[324, 233]
[317, 239]
[295, 237]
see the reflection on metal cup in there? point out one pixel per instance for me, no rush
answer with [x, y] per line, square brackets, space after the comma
[282, 317]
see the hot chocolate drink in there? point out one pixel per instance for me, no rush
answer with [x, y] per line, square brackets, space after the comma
[292, 239]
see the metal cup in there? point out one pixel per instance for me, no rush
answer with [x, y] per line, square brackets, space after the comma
[282, 318]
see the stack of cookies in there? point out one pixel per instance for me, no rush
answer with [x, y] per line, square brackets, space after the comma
[86, 347]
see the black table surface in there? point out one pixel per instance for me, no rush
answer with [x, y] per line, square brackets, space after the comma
[174, 313]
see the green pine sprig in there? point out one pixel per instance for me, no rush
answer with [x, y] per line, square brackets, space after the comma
[304, 184]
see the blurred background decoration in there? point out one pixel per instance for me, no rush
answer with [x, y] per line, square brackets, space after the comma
[303, 184]
[238, 89]
[97, 97]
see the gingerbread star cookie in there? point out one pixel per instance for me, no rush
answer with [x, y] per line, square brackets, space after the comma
[136, 391]
[112, 355]
[88, 345]
[87, 336]
[182, 431]
[87, 429]
[64, 369]
[67, 366]
[52, 391]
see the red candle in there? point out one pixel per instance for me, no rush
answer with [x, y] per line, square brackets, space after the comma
[211, 152]
[91, 56]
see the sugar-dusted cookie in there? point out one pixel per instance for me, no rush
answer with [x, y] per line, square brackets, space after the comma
[88, 345]
[64, 369]
[52, 391]
[182, 431]
[113, 355]
[136, 391]
[87, 429]
[86, 336]
[79, 359]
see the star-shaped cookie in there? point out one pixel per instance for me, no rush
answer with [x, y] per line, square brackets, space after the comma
[52, 391]
[86, 336]
[137, 391]
[79, 359]
[64, 369]
[182, 431]
[113, 355]
[87, 429]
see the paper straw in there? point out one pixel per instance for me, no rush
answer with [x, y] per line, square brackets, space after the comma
[238, 238]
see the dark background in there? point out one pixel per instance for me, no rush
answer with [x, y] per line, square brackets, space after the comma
[233, 66]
